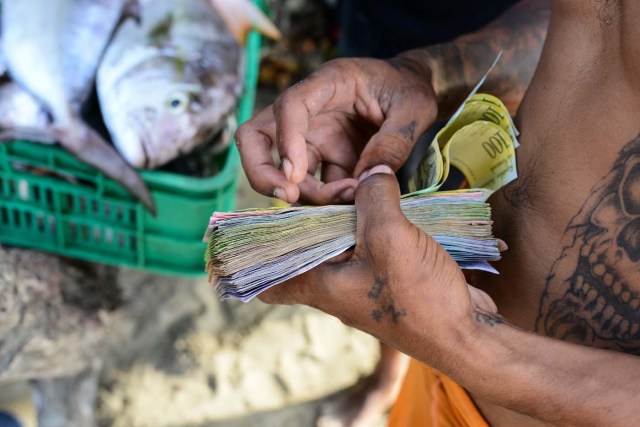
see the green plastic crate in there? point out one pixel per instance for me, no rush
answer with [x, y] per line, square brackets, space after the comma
[68, 208]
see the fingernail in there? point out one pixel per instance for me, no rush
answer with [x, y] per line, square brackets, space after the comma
[364, 175]
[279, 193]
[376, 169]
[347, 195]
[381, 169]
[288, 168]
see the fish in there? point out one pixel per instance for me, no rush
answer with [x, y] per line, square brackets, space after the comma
[170, 84]
[19, 109]
[3, 66]
[52, 49]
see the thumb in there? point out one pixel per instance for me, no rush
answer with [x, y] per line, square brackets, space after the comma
[378, 207]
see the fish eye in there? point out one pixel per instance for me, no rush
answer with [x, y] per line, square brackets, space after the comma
[177, 102]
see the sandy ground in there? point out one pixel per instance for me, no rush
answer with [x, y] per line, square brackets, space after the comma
[177, 356]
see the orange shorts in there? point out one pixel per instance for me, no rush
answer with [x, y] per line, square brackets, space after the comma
[428, 398]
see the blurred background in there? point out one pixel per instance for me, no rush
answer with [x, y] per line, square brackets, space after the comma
[84, 343]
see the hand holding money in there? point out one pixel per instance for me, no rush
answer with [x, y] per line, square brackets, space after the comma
[253, 250]
[396, 275]
[348, 116]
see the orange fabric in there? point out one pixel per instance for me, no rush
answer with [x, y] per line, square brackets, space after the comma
[430, 399]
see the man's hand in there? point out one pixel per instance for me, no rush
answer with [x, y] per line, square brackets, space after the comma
[397, 280]
[348, 116]
[402, 287]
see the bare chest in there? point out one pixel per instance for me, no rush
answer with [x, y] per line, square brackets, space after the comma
[573, 227]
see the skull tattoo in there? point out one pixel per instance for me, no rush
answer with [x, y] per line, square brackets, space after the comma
[591, 294]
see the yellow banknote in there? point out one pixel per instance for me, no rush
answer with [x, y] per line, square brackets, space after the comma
[480, 140]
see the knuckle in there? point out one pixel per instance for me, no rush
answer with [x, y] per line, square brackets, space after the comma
[335, 64]
[425, 99]
[285, 101]
[427, 105]
[243, 133]
[392, 148]
[280, 103]
[340, 69]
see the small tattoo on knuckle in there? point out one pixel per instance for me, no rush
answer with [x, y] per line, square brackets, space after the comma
[408, 131]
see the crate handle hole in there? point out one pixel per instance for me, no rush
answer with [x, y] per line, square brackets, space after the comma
[96, 234]
[108, 236]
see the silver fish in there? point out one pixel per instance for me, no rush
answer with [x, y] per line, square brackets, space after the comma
[169, 84]
[18, 109]
[52, 48]
[3, 67]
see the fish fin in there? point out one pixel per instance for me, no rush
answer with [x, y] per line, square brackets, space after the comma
[43, 136]
[241, 16]
[88, 146]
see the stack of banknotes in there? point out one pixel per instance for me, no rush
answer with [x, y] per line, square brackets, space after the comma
[250, 251]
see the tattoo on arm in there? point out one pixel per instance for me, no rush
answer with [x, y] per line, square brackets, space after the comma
[384, 304]
[455, 67]
[488, 318]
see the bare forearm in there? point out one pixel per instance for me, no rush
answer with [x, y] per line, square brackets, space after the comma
[548, 379]
[455, 67]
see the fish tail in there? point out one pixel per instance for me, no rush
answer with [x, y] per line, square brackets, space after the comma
[88, 146]
[241, 16]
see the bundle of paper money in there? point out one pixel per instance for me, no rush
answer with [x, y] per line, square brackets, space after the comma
[252, 250]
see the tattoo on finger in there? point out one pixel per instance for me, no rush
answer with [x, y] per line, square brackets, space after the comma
[409, 130]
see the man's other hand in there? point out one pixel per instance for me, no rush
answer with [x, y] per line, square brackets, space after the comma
[348, 116]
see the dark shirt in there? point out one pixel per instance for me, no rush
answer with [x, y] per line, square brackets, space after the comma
[384, 28]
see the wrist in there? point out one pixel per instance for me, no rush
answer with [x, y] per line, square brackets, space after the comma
[415, 71]
[462, 346]
[417, 62]
[442, 65]
[479, 351]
